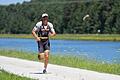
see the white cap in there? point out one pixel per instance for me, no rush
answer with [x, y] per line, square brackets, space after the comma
[45, 14]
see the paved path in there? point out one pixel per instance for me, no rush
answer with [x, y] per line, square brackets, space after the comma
[34, 69]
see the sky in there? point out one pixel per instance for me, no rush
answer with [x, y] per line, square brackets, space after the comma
[7, 2]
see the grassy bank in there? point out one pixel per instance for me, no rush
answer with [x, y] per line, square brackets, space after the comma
[97, 37]
[9, 76]
[71, 61]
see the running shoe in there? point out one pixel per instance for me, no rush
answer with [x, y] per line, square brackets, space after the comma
[44, 71]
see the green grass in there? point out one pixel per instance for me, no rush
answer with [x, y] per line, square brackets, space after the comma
[96, 37]
[67, 60]
[27, 36]
[18, 54]
[9, 76]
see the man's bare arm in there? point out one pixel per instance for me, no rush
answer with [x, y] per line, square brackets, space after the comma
[52, 34]
[35, 35]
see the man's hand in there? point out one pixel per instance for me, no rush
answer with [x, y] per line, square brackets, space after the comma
[37, 39]
[35, 35]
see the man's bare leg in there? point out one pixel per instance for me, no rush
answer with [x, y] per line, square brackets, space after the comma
[46, 55]
[41, 56]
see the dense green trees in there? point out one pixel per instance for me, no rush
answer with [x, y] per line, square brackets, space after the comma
[66, 15]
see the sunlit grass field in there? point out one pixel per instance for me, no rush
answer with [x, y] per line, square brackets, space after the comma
[96, 37]
[67, 60]
[9, 76]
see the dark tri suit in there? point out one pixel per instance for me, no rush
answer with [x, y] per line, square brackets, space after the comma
[44, 44]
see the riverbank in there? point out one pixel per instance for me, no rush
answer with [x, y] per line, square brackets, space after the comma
[70, 61]
[96, 37]
[9, 76]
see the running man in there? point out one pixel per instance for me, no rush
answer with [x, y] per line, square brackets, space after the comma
[41, 33]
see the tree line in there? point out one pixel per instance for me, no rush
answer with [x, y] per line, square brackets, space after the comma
[66, 16]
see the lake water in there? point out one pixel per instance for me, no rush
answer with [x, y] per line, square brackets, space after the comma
[99, 50]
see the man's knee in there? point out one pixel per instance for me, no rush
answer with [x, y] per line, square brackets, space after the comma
[47, 54]
[41, 56]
